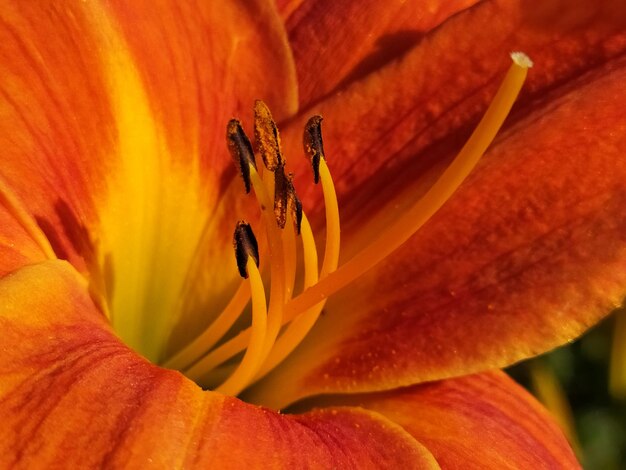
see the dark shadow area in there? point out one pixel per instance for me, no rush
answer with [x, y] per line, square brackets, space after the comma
[387, 49]
[74, 232]
[75, 242]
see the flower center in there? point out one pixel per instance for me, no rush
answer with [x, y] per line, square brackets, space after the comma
[280, 323]
[217, 358]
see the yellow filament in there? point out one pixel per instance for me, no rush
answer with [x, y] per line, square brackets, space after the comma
[331, 252]
[214, 332]
[250, 362]
[277, 266]
[11, 202]
[301, 325]
[309, 253]
[298, 329]
[430, 203]
[290, 256]
[223, 352]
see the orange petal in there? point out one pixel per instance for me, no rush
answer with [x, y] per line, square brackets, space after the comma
[56, 130]
[70, 392]
[71, 101]
[528, 253]
[362, 36]
[475, 422]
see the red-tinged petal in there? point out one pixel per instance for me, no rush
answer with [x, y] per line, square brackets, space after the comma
[475, 422]
[57, 126]
[407, 119]
[335, 43]
[528, 253]
[72, 395]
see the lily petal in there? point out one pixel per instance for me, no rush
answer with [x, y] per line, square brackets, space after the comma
[526, 255]
[57, 121]
[65, 126]
[72, 394]
[362, 36]
[475, 422]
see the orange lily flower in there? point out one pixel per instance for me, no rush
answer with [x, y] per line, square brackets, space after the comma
[118, 200]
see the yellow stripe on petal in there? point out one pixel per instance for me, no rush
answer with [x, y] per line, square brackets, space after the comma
[153, 219]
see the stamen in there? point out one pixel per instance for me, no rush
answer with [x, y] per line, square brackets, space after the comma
[203, 343]
[268, 144]
[300, 326]
[314, 149]
[273, 234]
[244, 244]
[430, 203]
[266, 136]
[240, 150]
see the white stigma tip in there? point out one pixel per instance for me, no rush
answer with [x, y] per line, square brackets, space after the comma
[521, 59]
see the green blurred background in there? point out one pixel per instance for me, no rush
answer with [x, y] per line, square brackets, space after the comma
[582, 370]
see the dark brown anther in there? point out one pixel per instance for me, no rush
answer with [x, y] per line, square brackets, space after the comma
[313, 144]
[266, 136]
[240, 150]
[245, 246]
[295, 207]
[282, 188]
[286, 200]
